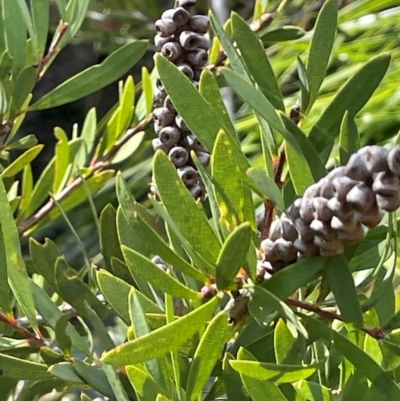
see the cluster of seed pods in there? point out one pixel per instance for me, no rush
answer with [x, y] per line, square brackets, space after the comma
[335, 210]
[180, 38]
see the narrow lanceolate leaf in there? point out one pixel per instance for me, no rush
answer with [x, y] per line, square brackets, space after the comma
[206, 355]
[351, 97]
[343, 288]
[288, 280]
[357, 357]
[163, 340]
[233, 195]
[233, 385]
[261, 390]
[256, 60]
[158, 278]
[17, 165]
[321, 47]
[272, 371]
[186, 213]
[233, 255]
[93, 78]
[21, 369]
[17, 276]
[198, 115]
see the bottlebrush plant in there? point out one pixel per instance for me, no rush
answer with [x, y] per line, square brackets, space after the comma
[227, 230]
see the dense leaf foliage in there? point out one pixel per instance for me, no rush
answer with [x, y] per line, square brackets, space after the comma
[117, 282]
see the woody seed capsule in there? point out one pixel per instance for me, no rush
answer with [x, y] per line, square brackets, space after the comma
[361, 197]
[197, 58]
[179, 156]
[394, 160]
[171, 50]
[169, 136]
[199, 24]
[165, 27]
[179, 15]
[163, 116]
[188, 175]
[191, 41]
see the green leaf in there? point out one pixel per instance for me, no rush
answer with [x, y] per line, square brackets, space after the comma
[228, 167]
[40, 10]
[233, 255]
[15, 33]
[286, 33]
[158, 278]
[168, 338]
[321, 47]
[51, 314]
[137, 216]
[198, 114]
[273, 372]
[206, 355]
[5, 293]
[183, 209]
[94, 376]
[26, 142]
[17, 165]
[256, 61]
[18, 279]
[288, 280]
[21, 369]
[24, 84]
[349, 139]
[63, 340]
[75, 12]
[88, 133]
[143, 383]
[234, 387]
[66, 372]
[362, 361]
[342, 285]
[62, 159]
[260, 390]
[209, 89]
[93, 78]
[264, 303]
[286, 351]
[110, 246]
[351, 97]
[313, 391]
[265, 186]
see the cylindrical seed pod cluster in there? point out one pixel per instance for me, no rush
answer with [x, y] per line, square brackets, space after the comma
[180, 38]
[335, 210]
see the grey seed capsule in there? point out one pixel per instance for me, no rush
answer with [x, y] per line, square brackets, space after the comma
[179, 15]
[356, 168]
[165, 27]
[191, 141]
[199, 24]
[163, 116]
[342, 210]
[190, 40]
[197, 58]
[171, 50]
[169, 136]
[352, 236]
[346, 226]
[293, 211]
[159, 84]
[159, 262]
[386, 184]
[361, 197]
[285, 249]
[179, 156]
[159, 97]
[304, 230]
[389, 203]
[275, 231]
[321, 209]
[394, 160]
[323, 230]
[371, 217]
[160, 41]
[157, 144]
[307, 210]
[186, 69]
[327, 190]
[288, 230]
[312, 191]
[342, 186]
[204, 158]
[180, 123]
[185, 3]
[197, 192]
[307, 249]
[153, 191]
[168, 103]
[268, 247]
[328, 248]
[375, 158]
[188, 175]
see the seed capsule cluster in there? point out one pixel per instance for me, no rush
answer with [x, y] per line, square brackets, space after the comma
[335, 210]
[180, 38]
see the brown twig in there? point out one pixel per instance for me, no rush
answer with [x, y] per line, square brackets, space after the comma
[77, 182]
[33, 340]
[375, 332]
